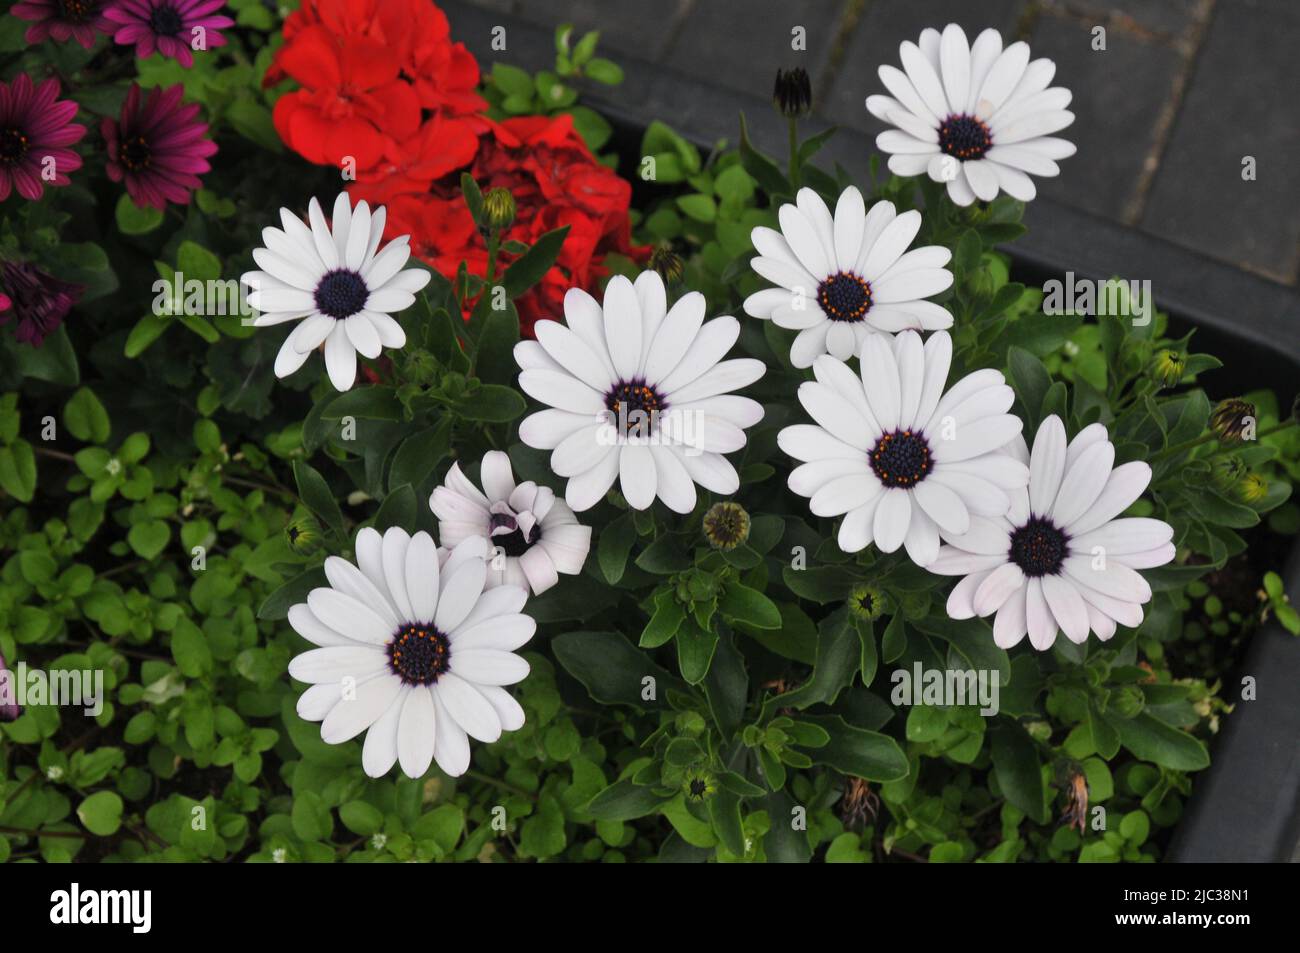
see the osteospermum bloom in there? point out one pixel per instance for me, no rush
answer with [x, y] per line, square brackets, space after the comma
[62, 20]
[1060, 558]
[843, 277]
[35, 132]
[898, 456]
[978, 117]
[639, 394]
[534, 536]
[412, 652]
[337, 282]
[170, 27]
[37, 301]
[158, 147]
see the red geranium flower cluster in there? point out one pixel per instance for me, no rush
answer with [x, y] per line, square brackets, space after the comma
[387, 96]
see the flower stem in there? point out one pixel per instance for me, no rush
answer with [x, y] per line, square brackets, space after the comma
[794, 155]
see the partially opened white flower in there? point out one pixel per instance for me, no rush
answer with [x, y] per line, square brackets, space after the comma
[1060, 558]
[337, 283]
[844, 277]
[534, 536]
[978, 117]
[639, 394]
[411, 652]
[895, 454]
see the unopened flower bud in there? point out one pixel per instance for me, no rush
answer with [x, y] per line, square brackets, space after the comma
[1233, 420]
[1252, 488]
[666, 263]
[792, 94]
[726, 525]
[499, 208]
[1168, 368]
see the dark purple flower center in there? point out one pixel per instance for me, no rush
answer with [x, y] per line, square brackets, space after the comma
[635, 405]
[514, 542]
[900, 459]
[13, 146]
[965, 137]
[77, 11]
[1039, 547]
[165, 20]
[844, 297]
[341, 293]
[134, 153]
[419, 653]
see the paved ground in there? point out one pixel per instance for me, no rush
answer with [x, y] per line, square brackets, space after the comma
[1167, 113]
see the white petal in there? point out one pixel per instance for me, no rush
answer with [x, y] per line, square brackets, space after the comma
[1046, 465]
[489, 666]
[353, 715]
[1068, 607]
[340, 358]
[417, 731]
[471, 710]
[461, 588]
[893, 516]
[637, 476]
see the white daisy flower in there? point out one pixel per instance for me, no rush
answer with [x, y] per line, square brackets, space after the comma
[842, 278]
[1060, 558]
[978, 117]
[638, 393]
[534, 537]
[412, 652]
[337, 283]
[896, 455]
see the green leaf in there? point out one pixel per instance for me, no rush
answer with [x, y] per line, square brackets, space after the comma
[18, 470]
[315, 493]
[1018, 769]
[528, 268]
[695, 648]
[149, 538]
[493, 403]
[361, 818]
[1152, 740]
[195, 261]
[86, 417]
[190, 649]
[612, 669]
[310, 817]
[398, 509]
[624, 801]
[858, 752]
[101, 813]
[276, 605]
[663, 625]
[613, 547]
[740, 603]
[494, 361]
[134, 220]
[1031, 382]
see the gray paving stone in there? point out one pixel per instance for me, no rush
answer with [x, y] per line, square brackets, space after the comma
[1170, 17]
[740, 46]
[881, 28]
[632, 26]
[1119, 94]
[1241, 101]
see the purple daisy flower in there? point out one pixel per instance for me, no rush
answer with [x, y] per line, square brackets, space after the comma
[158, 147]
[172, 27]
[37, 300]
[83, 20]
[34, 135]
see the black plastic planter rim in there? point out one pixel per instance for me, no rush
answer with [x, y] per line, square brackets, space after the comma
[1246, 806]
